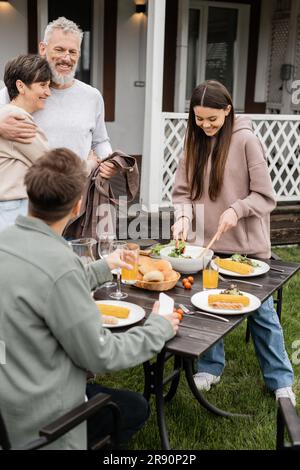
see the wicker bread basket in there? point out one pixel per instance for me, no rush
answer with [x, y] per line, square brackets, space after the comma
[158, 286]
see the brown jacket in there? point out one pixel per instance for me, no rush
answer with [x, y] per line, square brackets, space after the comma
[247, 188]
[97, 212]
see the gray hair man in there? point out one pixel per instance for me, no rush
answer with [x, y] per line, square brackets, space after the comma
[74, 114]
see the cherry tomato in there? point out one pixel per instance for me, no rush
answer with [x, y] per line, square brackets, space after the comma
[187, 285]
[180, 311]
[184, 280]
[191, 279]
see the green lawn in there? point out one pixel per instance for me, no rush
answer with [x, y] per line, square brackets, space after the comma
[241, 390]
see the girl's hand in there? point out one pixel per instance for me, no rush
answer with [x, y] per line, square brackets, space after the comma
[180, 228]
[227, 221]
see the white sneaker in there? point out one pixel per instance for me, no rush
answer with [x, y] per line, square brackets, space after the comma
[204, 380]
[286, 392]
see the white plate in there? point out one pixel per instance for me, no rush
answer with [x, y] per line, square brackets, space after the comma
[200, 300]
[135, 315]
[261, 269]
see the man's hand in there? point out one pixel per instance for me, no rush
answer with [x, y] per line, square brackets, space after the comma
[173, 318]
[108, 170]
[15, 128]
[227, 221]
[115, 260]
[180, 228]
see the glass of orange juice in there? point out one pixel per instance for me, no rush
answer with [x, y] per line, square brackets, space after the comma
[130, 256]
[210, 275]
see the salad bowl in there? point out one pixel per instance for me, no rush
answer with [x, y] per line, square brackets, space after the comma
[186, 262]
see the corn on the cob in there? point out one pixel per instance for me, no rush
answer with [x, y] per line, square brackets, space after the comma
[240, 299]
[113, 310]
[234, 266]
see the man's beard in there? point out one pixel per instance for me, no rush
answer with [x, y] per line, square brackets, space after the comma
[60, 79]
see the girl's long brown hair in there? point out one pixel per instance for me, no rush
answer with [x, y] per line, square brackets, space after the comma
[210, 94]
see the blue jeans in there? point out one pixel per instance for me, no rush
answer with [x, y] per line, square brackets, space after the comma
[9, 211]
[134, 413]
[269, 346]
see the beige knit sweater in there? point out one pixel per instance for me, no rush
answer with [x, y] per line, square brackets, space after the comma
[247, 188]
[16, 158]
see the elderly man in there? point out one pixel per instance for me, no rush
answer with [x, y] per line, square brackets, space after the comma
[74, 114]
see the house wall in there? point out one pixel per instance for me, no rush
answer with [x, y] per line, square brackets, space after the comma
[13, 31]
[126, 132]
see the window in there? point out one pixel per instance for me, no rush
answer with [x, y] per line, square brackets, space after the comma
[218, 47]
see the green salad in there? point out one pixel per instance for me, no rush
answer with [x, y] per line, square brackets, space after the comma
[155, 249]
[176, 252]
[244, 259]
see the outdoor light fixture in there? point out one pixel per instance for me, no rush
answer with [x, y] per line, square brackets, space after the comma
[140, 8]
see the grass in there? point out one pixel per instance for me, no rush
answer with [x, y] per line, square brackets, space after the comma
[240, 390]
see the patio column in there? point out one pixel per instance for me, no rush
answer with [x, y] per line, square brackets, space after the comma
[290, 56]
[152, 160]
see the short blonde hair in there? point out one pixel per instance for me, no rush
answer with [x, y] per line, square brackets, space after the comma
[67, 26]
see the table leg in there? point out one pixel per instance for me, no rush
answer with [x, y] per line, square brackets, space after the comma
[160, 402]
[154, 385]
[278, 302]
[188, 368]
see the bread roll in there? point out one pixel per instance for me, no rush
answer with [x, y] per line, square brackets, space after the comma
[163, 265]
[146, 264]
[153, 276]
[170, 275]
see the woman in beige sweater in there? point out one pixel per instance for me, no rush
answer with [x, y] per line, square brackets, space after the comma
[223, 185]
[27, 79]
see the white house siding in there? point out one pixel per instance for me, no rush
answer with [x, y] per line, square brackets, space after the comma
[126, 132]
[13, 31]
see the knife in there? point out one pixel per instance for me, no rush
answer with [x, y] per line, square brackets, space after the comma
[216, 317]
[277, 269]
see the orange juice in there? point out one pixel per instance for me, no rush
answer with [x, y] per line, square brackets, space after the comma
[130, 256]
[210, 279]
[130, 276]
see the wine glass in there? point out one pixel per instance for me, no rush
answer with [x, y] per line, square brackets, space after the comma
[104, 242]
[118, 294]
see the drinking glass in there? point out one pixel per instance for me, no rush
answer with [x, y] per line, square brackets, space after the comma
[131, 256]
[210, 274]
[104, 242]
[121, 247]
[83, 247]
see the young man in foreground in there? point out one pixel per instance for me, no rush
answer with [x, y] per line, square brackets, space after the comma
[50, 324]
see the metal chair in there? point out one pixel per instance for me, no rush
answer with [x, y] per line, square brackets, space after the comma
[68, 421]
[288, 419]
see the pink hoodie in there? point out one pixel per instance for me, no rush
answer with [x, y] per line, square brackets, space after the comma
[247, 188]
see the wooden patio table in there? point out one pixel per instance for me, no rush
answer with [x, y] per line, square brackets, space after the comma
[196, 335]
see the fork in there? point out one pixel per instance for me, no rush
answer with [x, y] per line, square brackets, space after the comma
[187, 311]
[239, 280]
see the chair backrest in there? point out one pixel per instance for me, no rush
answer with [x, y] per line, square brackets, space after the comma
[288, 419]
[4, 440]
[70, 420]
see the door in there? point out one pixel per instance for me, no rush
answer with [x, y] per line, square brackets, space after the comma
[81, 14]
[218, 47]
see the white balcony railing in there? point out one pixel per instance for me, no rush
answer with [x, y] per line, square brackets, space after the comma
[279, 134]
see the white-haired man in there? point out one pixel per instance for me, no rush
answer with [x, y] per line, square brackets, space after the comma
[74, 117]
